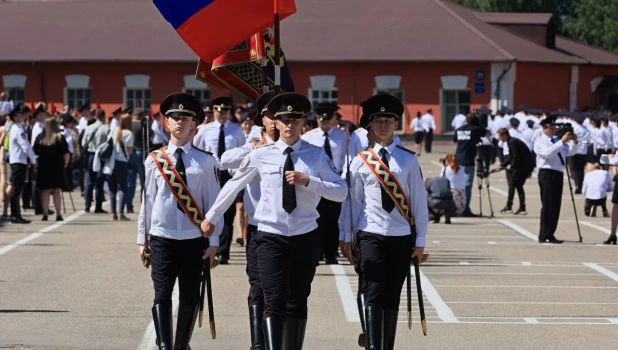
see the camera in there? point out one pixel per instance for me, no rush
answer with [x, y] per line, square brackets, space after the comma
[563, 128]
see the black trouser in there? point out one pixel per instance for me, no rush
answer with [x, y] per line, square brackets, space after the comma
[428, 140]
[494, 151]
[328, 226]
[592, 202]
[225, 240]
[577, 165]
[27, 194]
[173, 258]
[516, 182]
[550, 182]
[286, 268]
[18, 180]
[256, 297]
[384, 261]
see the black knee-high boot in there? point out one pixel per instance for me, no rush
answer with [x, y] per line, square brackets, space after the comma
[273, 332]
[294, 333]
[187, 314]
[163, 322]
[390, 328]
[256, 314]
[375, 324]
[362, 338]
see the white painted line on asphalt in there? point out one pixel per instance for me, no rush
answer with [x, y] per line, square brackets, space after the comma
[526, 263]
[500, 286]
[435, 242]
[527, 303]
[603, 270]
[613, 320]
[489, 264]
[464, 263]
[34, 235]
[345, 292]
[491, 242]
[445, 312]
[597, 227]
[150, 336]
[531, 320]
[511, 273]
[519, 229]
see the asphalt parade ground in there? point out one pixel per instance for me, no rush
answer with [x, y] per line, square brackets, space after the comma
[488, 284]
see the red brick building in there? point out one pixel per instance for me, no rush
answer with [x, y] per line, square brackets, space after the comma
[431, 53]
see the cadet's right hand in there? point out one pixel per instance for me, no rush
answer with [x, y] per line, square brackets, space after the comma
[207, 228]
[142, 252]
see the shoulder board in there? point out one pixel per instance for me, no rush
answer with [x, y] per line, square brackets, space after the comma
[305, 143]
[201, 150]
[405, 149]
[265, 145]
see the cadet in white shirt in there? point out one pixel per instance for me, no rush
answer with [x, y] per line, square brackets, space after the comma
[176, 241]
[232, 159]
[20, 156]
[419, 132]
[39, 114]
[551, 154]
[217, 137]
[160, 138]
[459, 120]
[387, 243]
[577, 162]
[115, 121]
[84, 112]
[333, 140]
[428, 122]
[294, 176]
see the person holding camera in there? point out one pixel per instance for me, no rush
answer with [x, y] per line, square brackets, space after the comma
[467, 138]
[551, 153]
[520, 163]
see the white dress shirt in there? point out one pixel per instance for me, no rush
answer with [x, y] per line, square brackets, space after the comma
[20, 150]
[366, 198]
[428, 122]
[232, 159]
[336, 139]
[584, 138]
[596, 184]
[207, 137]
[518, 135]
[37, 129]
[113, 125]
[458, 121]
[159, 205]
[417, 125]
[268, 162]
[159, 134]
[547, 153]
[83, 124]
[68, 136]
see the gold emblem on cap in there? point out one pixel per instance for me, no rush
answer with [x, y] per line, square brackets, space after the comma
[290, 108]
[382, 109]
[180, 106]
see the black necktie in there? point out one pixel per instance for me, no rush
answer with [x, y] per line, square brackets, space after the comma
[221, 146]
[387, 201]
[289, 191]
[560, 153]
[180, 169]
[329, 153]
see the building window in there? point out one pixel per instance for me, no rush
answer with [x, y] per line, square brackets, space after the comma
[16, 93]
[453, 103]
[77, 97]
[323, 95]
[200, 94]
[137, 98]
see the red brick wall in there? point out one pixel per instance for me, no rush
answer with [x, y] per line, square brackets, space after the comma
[585, 96]
[542, 85]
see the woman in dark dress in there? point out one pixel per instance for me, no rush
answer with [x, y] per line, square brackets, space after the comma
[53, 152]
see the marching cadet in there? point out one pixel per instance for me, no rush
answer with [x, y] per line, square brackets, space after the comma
[232, 159]
[217, 137]
[176, 242]
[20, 156]
[333, 140]
[208, 113]
[294, 176]
[384, 222]
[84, 112]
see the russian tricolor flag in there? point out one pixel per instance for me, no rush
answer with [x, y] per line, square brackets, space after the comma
[212, 27]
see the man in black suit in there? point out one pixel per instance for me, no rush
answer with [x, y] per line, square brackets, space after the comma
[521, 163]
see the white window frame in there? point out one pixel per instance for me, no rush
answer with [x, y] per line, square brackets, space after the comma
[191, 85]
[321, 91]
[136, 82]
[15, 82]
[444, 122]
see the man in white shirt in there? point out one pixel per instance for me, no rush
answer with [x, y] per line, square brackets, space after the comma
[21, 156]
[428, 122]
[333, 140]
[577, 162]
[84, 112]
[551, 154]
[294, 176]
[160, 138]
[459, 120]
[217, 137]
[5, 106]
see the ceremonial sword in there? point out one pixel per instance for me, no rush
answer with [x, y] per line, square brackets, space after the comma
[145, 146]
[206, 292]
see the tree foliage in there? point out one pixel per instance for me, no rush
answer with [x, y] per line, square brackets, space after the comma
[591, 21]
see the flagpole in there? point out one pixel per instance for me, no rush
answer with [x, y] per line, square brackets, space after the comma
[277, 49]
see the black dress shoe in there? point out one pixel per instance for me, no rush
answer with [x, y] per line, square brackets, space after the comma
[51, 212]
[100, 211]
[19, 221]
[87, 210]
[611, 240]
[44, 218]
[224, 261]
[553, 240]
[332, 261]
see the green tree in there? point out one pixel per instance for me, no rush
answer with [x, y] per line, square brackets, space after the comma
[595, 22]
